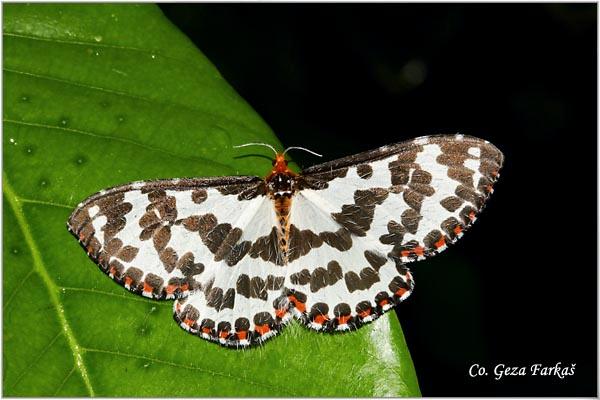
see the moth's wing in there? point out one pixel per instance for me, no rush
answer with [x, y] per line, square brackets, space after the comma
[414, 198]
[337, 280]
[396, 204]
[240, 301]
[240, 307]
[189, 238]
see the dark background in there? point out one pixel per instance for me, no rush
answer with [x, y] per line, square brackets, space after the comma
[520, 288]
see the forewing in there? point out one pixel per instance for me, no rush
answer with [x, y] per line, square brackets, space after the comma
[174, 238]
[412, 198]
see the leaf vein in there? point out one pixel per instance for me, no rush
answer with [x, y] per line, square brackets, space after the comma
[16, 290]
[102, 292]
[84, 85]
[118, 139]
[190, 367]
[64, 380]
[79, 43]
[218, 117]
[46, 203]
[35, 360]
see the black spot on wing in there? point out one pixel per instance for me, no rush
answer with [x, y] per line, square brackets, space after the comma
[357, 217]
[302, 242]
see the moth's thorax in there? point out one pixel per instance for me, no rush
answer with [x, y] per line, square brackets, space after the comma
[281, 185]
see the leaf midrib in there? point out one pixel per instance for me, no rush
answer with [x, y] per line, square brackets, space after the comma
[53, 289]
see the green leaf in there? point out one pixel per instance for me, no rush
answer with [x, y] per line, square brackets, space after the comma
[99, 95]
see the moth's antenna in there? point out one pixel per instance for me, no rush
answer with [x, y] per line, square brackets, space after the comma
[257, 144]
[302, 148]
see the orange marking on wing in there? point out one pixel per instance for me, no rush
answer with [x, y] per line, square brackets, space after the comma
[440, 242]
[457, 229]
[343, 319]
[383, 302]
[280, 312]
[147, 288]
[401, 291]
[419, 250]
[128, 280]
[241, 335]
[223, 334]
[300, 306]
[206, 330]
[188, 322]
[321, 319]
[262, 329]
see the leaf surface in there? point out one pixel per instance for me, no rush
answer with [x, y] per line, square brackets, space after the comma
[99, 95]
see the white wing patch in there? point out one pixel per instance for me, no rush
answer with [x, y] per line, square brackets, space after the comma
[240, 263]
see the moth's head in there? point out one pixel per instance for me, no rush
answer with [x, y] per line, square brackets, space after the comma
[280, 164]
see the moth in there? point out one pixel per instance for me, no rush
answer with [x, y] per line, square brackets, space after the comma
[243, 255]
